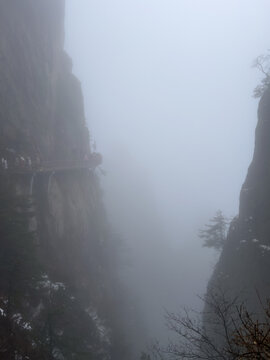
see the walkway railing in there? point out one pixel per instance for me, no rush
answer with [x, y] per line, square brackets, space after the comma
[48, 166]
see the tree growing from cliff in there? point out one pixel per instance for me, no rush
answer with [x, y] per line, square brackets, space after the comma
[214, 234]
[40, 317]
[262, 63]
[20, 272]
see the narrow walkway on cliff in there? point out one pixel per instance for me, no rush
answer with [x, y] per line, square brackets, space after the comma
[24, 166]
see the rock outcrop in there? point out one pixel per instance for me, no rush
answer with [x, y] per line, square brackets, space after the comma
[73, 310]
[41, 102]
[242, 269]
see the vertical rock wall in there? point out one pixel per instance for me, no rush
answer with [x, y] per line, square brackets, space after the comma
[243, 267]
[42, 117]
[41, 106]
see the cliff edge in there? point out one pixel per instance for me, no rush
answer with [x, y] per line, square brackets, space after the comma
[243, 266]
[59, 293]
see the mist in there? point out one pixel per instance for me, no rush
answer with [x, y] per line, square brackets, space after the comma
[168, 98]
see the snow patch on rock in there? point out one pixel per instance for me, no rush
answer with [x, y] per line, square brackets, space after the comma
[102, 330]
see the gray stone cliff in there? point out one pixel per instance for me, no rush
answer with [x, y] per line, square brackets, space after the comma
[42, 118]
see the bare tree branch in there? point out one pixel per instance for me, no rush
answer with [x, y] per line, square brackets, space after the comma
[228, 331]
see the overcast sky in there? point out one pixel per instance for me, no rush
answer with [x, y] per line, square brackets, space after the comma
[172, 80]
[170, 83]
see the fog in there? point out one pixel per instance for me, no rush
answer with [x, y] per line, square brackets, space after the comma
[168, 99]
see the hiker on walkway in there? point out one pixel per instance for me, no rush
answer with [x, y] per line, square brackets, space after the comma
[29, 162]
[96, 159]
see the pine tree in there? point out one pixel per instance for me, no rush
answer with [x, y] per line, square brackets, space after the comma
[19, 271]
[68, 329]
[214, 236]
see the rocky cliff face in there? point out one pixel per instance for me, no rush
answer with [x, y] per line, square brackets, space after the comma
[245, 261]
[72, 310]
[41, 102]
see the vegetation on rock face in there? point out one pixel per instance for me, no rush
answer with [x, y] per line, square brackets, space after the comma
[214, 236]
[145, 356]
[20, 273]
[59, 289]
[262, 63]
[42, 316]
